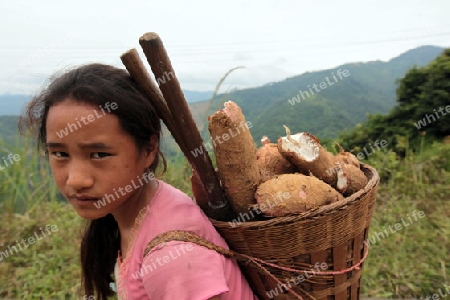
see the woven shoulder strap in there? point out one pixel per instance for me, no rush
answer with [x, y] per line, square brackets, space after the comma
[187, 236]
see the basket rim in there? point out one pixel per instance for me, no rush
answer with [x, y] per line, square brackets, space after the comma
[372, 183]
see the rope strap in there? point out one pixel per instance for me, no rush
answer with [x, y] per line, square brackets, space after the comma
[187, 236]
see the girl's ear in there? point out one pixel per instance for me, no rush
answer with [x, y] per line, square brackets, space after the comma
[151, 150]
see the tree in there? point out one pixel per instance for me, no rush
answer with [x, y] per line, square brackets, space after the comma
[423, 108]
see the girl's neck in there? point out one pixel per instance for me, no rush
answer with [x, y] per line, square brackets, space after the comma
[126, 214]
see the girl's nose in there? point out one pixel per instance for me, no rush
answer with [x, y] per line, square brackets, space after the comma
[79, 179]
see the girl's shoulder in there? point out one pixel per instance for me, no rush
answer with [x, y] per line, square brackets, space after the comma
[171, 209]
[170, 203]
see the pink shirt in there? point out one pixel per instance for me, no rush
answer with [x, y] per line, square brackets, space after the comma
[178, 270]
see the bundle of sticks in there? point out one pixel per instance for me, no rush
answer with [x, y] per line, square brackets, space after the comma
[172, 107]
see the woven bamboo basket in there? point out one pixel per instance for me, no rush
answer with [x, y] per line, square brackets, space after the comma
[315, 255]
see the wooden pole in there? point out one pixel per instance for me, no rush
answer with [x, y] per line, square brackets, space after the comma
[171, 105]
[136, 68]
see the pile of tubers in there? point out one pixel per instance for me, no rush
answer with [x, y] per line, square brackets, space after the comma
[292, 176]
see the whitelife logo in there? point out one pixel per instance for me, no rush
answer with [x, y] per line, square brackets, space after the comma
[261, 208]
[319, 87]
[108, 198]
[12, 158]
[31, 240]
[430, 118]
[436, 296]
[165, 78]
[296, 280]
[377, 237]
[360, 155]
[233, 133]
[152, 266]
[90, 118]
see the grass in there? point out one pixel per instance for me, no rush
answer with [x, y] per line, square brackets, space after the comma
[26, 182]
[412, 262]
[49, 268]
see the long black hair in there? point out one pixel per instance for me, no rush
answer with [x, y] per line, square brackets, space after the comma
[97, 84]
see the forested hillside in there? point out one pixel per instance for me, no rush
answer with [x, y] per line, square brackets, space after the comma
[368, 88]
[422, 113]
[346, 95]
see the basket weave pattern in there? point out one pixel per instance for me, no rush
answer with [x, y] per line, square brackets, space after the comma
[333, 234]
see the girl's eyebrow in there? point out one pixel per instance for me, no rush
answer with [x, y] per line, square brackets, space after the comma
[54, 145]
[95, 146]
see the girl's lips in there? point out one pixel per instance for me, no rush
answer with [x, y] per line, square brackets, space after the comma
[83, 198]
[86, 200]
[83, 201]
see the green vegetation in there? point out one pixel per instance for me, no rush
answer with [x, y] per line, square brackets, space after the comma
[26, 180]
[49, 268]
[369, 88]
[411, 262]
[9, 130]
[423, 110]
[415, 169]
[414, 261]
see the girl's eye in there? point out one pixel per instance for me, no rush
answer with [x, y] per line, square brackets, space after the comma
[60, 154]
[98, 155]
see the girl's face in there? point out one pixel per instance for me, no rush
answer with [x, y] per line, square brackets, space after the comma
[96, 165]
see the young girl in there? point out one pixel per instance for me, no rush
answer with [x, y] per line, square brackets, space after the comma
[102, 136]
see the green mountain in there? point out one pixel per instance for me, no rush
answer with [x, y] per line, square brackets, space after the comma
[341, 102]
[196, 96]
[13, 104]
[420, 115]
[323, 103]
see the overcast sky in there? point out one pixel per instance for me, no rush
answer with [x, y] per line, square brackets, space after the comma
[204, 39]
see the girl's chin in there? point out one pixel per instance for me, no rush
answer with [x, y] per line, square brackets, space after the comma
[90, 213]
[87, 209]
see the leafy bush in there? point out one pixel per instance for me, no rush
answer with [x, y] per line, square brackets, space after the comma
[422, 101]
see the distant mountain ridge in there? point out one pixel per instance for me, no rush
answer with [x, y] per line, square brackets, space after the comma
[12, 104]
[196, 96]
[369, 88]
